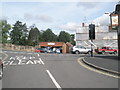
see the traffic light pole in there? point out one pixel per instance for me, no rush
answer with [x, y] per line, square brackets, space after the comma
[91, 48]
[91, 36]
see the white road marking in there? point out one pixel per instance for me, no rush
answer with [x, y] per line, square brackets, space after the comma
[30, 62]
[24, 57]
[38, 55]
[41, 61]
[12, 63]
[21, 62]
[12, 58]
[30, 57]
[6, 62]
[54, 81]
[36, 61]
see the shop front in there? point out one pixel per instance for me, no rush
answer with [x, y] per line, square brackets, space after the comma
[54, 46]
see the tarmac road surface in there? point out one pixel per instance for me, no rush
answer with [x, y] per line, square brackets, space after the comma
[35, 70]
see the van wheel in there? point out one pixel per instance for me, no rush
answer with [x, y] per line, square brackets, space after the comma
[77, 52]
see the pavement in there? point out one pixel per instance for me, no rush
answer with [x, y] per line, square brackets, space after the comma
[106, 63]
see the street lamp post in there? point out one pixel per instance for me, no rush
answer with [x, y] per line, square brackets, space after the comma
[117, 11]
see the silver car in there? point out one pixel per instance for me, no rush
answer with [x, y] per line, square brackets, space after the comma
[80, 50]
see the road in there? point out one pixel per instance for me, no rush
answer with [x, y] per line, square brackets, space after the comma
[35, 70]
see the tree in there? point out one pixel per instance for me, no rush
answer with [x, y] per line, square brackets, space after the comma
[5, 31]
[41, 34]
[34, 36]
[64, 37]
[49, 36]
[19, 34]
[24, 37]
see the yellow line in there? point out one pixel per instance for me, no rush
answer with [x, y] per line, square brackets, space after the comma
[92, 69]
[101, 67]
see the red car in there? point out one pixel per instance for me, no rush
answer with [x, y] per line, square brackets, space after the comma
[104, 50]
[37, 50]
[41, 50]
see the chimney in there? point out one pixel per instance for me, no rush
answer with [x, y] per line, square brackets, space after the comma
[83, 24]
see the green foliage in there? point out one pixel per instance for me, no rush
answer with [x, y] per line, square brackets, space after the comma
[49, 36]
[34, 36]
[4, 31]
[64, 37]
[40, 36]
[19, 34]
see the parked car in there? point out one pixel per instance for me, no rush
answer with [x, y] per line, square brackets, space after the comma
[49, 51]
[41, 50]
[37, 50]
[80, 50]
[58, 51]
[103, 50]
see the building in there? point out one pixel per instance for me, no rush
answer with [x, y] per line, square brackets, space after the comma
[61, 45]
[103, 36]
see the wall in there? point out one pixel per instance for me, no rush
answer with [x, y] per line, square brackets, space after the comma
[17, 47]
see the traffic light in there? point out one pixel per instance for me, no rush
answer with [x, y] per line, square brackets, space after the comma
[91, 31]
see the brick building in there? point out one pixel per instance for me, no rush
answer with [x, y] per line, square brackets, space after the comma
[63, 46]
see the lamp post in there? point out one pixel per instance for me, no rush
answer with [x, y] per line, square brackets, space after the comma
[117, 11]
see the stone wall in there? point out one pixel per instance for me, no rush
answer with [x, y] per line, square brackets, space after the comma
[17, 47]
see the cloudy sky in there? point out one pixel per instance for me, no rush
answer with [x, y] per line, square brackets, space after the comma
[57, 16]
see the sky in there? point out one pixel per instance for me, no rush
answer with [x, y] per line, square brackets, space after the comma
[58, 16]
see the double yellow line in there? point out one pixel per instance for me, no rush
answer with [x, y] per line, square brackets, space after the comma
[95, 70]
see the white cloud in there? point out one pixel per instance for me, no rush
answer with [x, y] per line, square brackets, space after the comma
[4, 18]
[59, 0]
[103, 20]
[38, 17]
[71, 26]
[87, 5]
